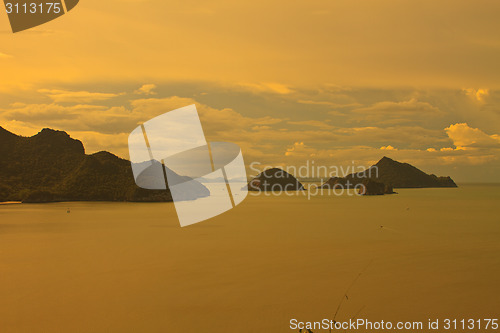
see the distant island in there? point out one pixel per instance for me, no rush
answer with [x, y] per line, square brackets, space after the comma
[275, 179]
[51, 166]
[392, 174]
[379, 179]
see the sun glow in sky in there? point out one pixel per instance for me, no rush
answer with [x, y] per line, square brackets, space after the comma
[333, 81]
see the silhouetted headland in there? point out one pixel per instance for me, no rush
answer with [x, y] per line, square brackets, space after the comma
[275, 179]
[392, 174]
[51, 166]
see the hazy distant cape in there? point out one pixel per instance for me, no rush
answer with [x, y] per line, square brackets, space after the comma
[393, 174]
[51, 166]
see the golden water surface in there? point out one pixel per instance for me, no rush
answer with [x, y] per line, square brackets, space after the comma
[129, 267]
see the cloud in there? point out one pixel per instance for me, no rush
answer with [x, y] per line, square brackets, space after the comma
[476, 94]
[289, 136]
[80, 117]
[261, 128]
[475, 160]
[393, 113]
[472, 146]
[464, 136]
[299, 148]
[328, 103]
[66, 96]
[350, 146]
[146, 89]
[214, 120]
[5, 56]
[268, 87]
[312, 123]
[412, 106]
[47, 112]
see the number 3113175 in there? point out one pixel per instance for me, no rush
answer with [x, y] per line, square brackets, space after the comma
[33, 8]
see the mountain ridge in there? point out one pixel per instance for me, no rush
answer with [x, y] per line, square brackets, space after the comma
[51, 166]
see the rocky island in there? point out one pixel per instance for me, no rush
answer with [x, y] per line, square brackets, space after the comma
[387, 174]
[275, 179]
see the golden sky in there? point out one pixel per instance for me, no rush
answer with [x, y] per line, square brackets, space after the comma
[376, 43]
[289, 81]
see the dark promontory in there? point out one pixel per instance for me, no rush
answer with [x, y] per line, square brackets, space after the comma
[51, 166]
[392, 174]
[275, 179]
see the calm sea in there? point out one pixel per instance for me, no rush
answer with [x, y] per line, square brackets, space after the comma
[129, 267]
